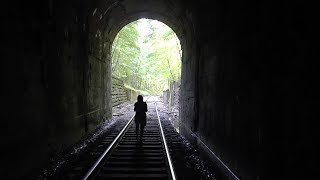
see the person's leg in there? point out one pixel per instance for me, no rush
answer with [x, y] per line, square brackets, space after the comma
[141, 131]
[137, 129]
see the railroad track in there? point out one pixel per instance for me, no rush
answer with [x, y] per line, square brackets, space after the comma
[128, 157]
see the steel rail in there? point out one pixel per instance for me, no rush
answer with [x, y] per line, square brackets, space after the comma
[88, 174]
[107, 150]
[173, 175]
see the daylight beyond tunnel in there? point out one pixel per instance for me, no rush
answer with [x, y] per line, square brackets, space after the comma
[146, 55]
[146, 60]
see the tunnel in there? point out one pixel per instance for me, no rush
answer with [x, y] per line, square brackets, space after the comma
[247, 87]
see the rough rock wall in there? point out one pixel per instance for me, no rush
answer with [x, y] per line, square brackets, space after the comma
[176, 96]
[132, 95]
[57, 79]
[171, 96]
[119, 92]
[253, 90]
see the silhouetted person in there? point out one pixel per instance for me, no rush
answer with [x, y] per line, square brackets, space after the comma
[140, 118]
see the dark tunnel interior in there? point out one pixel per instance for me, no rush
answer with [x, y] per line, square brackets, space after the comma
[248, 79]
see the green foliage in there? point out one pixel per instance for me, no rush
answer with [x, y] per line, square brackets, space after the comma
[125, 51]
[146, 55]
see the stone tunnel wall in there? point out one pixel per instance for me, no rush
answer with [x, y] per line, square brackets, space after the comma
[57, 73]
[132, 95]
[171, 96]
[57, 81]
[119, 92]
[251, 102]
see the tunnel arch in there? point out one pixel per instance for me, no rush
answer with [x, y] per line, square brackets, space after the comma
[151, 16]
[166, 85]
[69, 44]
[181, 24]
[112, 17]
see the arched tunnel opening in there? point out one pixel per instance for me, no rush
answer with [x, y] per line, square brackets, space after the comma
[247, 87]
[146, 60]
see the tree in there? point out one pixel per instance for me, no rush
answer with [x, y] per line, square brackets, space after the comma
[146, 55]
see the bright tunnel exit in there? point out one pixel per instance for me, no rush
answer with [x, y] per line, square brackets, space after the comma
[146, 59]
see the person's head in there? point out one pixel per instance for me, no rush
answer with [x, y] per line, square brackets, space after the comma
[140, 98]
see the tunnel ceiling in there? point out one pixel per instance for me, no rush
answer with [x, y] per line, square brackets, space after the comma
[111, 17]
